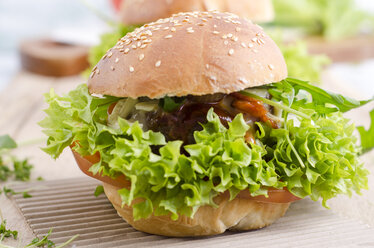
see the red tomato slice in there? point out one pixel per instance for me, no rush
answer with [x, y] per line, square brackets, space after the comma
[86, 162]
[116, 4]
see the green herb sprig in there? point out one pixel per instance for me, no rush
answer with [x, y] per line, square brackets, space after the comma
[10, 166]
[6, 233]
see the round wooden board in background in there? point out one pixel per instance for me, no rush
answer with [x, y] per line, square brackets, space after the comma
[51, 58]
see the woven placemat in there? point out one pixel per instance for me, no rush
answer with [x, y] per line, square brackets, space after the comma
[69, 208]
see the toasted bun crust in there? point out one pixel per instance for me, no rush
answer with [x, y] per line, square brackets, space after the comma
[189, 53]
[135, 12]
[239, 214]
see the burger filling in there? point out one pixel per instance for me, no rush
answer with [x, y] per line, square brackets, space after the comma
[181, 152]
[178, 118]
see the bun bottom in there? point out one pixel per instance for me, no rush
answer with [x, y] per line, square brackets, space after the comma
[240, 214]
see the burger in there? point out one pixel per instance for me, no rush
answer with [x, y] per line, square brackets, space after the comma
[194, 128]
[135, 12]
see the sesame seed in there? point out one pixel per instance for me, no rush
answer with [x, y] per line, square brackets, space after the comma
[244, 45]
[231, 51]
[166, 28]
[215, 32]
[226, 42]
[131, 69]
[271, 67]
[127, 50]
[143, 46]
[229, 35]
[158, 63]
[224, 37]
[190, 31]
[173, 29]
[250, 45]
[237, 29]
[92, 74]
[98, 71]
[215, 26]
[112, 68]
[234, 38]
[254, 39]
[141, 57]
[139, 44]
[133, 46]
[168, 36]
[207, 66]
[116, 61]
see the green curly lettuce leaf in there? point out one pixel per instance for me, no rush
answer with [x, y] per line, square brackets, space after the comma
[367, 137]
[107, 41]
[333, 19]
[175, 183]
[302, 64]
[328, 151]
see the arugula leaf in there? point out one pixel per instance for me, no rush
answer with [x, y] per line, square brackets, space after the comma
[9, 191]
[36, 242]
[6, 142]
[367, 137]
[169, 104]
[46, 242]
[99, 190]
[6, 233]
[5, 172]
[22, 170]
[318, 100]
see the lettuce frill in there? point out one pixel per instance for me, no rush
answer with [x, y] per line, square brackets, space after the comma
[316, 158]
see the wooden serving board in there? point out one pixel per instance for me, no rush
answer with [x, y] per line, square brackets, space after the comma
[69, 207]
[346, 50]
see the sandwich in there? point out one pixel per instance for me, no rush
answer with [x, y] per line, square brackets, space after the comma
[194, 128]
[135, 12]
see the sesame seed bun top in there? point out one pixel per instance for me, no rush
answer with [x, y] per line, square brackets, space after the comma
[135, 12]
[189, 54]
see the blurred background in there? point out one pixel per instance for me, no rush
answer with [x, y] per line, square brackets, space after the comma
[60, 19]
